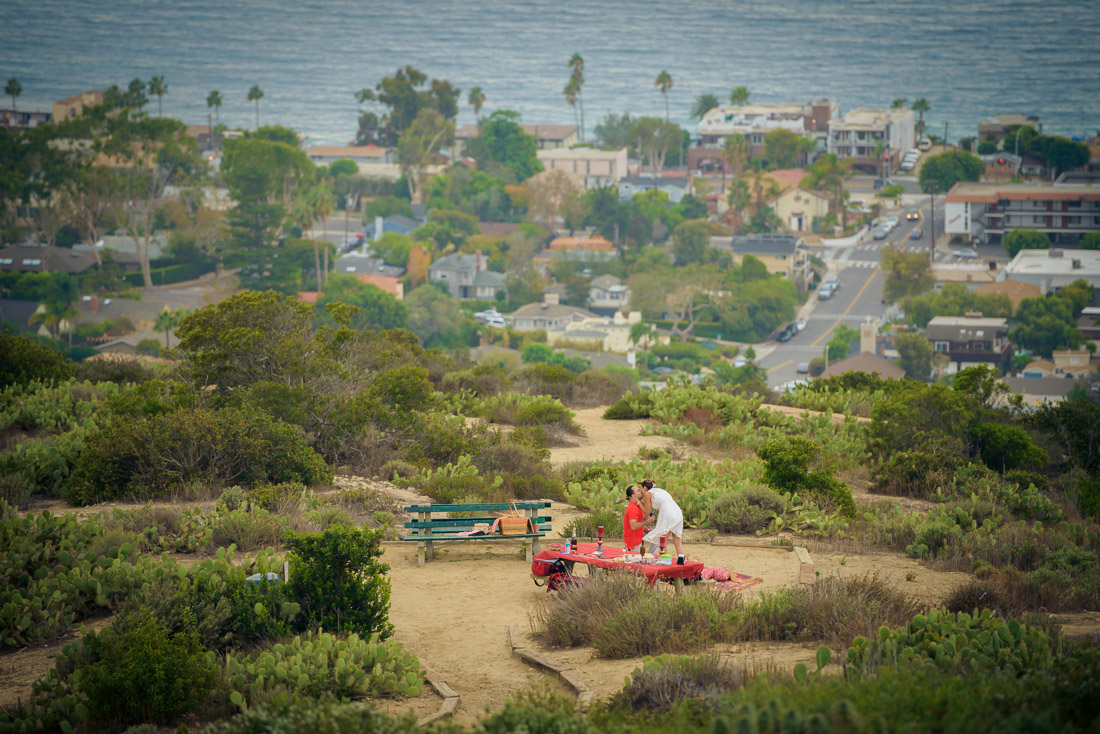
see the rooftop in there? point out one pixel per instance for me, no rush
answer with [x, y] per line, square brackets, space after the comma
[758, 244]
[862, 117]
[541, 132]
[1015, 290]
[348, 151]
[592, 154]
[1053, 386]
[588, 244]
[1055, 262]
[976, 192]
[866, 362]
[967, 321]
[549, 310]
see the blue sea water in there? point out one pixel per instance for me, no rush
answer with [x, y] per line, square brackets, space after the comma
[968, 59]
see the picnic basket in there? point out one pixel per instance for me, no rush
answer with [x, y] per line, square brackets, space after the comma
[514, 523]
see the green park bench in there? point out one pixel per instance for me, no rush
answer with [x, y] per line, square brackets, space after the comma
[426, 529]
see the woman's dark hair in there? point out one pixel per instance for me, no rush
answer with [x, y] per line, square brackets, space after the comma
[647, 483]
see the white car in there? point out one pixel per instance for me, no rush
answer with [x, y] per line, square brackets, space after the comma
[924, 144]
[792, 385]
[490, 318]
[891, 222]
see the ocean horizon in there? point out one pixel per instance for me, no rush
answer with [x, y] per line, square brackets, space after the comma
[969, 60]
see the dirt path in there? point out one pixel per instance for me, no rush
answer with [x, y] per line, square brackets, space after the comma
[608, 440]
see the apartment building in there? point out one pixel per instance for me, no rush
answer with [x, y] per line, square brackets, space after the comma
[970, 340]
[754, 122]
[592, 166]
[857, 134]
[986, 211]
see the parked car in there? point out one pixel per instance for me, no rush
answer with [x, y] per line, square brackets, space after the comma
[792, 385]
[891, 222]
[803, 368]
[784, 334]
[881, 183]
[907, 165]
[880, 233]
[913, 215]
[916, 233]
[833, 283]
[824, 293]
[662, 370]
[740, 362]
[490, 318]
[800, 325]
[966, 254]
[924, 144]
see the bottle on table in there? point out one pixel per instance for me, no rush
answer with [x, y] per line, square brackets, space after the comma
[568, 548]
[663, 545]
[575, 546]
[599, 539]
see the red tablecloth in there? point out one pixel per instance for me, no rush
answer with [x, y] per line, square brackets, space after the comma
[652, 571]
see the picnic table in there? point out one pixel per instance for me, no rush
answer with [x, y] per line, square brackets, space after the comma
[584, 553]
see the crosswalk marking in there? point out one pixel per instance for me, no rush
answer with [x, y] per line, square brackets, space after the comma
[862, 264]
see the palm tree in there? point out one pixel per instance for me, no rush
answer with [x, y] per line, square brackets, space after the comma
[576, 63]
[58, 306]
[214, 99]
[476, 99]
[324, 203]
[157, 88]
[13, 89]
[735, 153]
[703, 104]
[739, 96]
[664, 83]
[255, 95]
[639, 332]
[898, 103]
[921, 106]
[167, 320]
[571, 92]
[739, 199]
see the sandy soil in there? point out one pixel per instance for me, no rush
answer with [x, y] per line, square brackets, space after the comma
[608, 440]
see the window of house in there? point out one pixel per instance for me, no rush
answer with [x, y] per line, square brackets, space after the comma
[1038, 220]
[942, 346]
[1073, 220]
[1075, 204]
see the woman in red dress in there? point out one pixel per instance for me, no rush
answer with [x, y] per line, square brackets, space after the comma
[633, 521]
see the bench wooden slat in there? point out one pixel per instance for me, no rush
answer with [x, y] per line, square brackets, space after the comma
[444, 522]
[484, 507]
[437, 537]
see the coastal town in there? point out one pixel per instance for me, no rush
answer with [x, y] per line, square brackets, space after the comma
[563, 231]
[787, 419]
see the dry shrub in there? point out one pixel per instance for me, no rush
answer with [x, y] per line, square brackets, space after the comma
[662, 682]
[369, 453]
[621, 617]
[657, 623]
[833, 610]
[572, 618]
[249, 531]
[704, 418]
[599, 388]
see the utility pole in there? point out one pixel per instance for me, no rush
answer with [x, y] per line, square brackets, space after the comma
[932, 211]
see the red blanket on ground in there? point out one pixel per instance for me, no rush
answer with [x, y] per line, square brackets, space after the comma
[652, 571]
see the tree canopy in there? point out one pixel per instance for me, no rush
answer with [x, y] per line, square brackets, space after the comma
[940, 172]
[502, 147]
[403, 96]
[375, 310]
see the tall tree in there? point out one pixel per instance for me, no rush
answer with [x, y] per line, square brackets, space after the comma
[420, 145]
[255, 94]
[476, 99]
[13, 89]
[739, 198]
[403, 95]
[263, 177]
[781, 148]
[655, 139]
[739, 96]
[576, 64]
[915, 355]
[167, 320]
[920, 106]
[502, 148]
[735, 154]
[703, 104]
[828, 174]
[571, 92]
[152, 159]
[940, 172]
[664, 83]
[907, 273]
[157, 88]
[58, 305]
[214, 99]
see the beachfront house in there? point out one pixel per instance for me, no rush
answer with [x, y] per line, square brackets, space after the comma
[970, 340]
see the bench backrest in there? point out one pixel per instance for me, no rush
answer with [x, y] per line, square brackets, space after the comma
[462, 523]
[484, 507]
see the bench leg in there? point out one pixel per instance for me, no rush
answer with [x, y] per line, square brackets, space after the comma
[430, 554]
[534, 549]
[420, 553]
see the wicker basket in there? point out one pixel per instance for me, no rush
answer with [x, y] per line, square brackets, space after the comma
[514, 524]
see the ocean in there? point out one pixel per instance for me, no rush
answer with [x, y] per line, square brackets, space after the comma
[968, 59]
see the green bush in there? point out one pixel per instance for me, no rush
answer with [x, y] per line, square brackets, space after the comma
[586, 525]
[629, 407]
[279, 498]
[746, 511]
[150, 457]
[318, 665]
[787, 468]
[116, 370]
[291, 714]
[23, 360]
[340, 582]
[142, 673]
